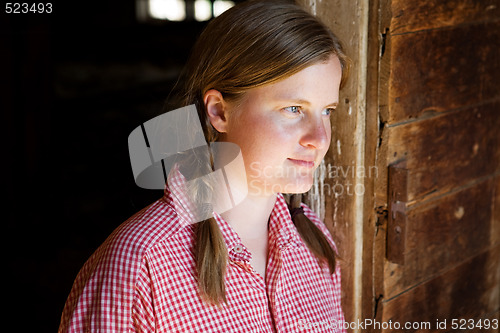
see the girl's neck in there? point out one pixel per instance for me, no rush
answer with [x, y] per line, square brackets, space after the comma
[250, 218]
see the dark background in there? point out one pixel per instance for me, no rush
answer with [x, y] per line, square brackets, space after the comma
[74, 84]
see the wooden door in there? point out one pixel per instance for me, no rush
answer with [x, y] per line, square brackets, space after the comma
[418, 129]
[439, 109]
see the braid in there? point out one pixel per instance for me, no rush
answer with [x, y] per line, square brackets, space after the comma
[210, 254]
[314, 238]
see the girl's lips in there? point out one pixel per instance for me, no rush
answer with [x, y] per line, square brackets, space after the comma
[302, 163]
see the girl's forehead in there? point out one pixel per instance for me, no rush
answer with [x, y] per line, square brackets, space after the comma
[313, 81]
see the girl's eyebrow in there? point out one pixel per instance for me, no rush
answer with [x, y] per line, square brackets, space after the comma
[305, 102]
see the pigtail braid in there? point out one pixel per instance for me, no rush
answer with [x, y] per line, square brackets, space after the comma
[314, 238]
[210, 254]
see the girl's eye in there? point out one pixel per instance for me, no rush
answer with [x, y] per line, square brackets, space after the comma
[292, 109]
[328, 111]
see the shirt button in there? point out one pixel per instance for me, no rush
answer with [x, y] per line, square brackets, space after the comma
[238, 248]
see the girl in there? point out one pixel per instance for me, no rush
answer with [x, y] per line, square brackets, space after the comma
[264, 75]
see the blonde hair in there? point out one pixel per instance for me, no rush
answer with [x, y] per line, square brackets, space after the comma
[252, 44]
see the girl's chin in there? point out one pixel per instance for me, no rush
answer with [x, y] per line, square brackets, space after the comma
[297, 190]
[292, 186]
[297, 187]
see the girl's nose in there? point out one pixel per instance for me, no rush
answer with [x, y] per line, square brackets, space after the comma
[317, 133]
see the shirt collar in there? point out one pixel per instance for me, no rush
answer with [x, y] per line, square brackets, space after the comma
[282, 231]
[281, 227]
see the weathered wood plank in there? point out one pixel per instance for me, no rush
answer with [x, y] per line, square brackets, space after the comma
[469, 290]
[439, 70]
[441, 233]
[495, 224]
[439, 98]
[373, 254]
[397, 217]
[449, 150]
[411, 15]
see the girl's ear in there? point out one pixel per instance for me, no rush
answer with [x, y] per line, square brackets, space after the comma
[216, 110]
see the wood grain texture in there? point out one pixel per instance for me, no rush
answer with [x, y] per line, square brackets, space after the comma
[439, 107]
[410, 15]
[440, 70]
[470, 290]
[397, 216]
[372, 277]
[447, 151]
[442, 233]
[495, 224]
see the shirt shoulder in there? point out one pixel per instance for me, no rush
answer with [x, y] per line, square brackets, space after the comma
[108, 278]
[141, 232]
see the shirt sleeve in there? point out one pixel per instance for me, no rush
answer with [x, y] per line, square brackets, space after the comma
[143, 311]
[112, 292]
[108, 296]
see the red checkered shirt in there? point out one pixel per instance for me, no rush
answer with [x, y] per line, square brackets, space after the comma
[142, 279]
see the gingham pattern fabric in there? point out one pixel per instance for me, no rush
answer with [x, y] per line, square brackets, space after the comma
[142, 279]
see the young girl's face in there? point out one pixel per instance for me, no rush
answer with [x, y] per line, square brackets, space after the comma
[284, 130]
